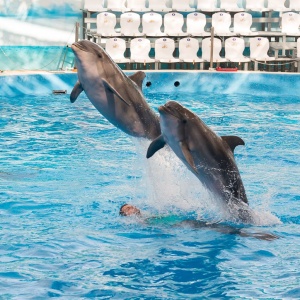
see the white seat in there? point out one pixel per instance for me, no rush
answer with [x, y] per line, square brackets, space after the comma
[242, 22]
[93, 5]
[234, 48]
[182, 5]
[207, 5]
[221, 22]
[195, 24]
[256, 5]
[230, 5]
[106, 23]
[259, 47]
[295, 5]
[290, 23]
[277, 5]
[217, 47]
[158, 5]
[173, 23]
[152, 23]
[130, 23]
[116, 47]
[116, 5]
[139, 49]
[164, 48]
[137, 5]
[188, 49]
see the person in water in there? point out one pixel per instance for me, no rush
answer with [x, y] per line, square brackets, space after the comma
[128, 210]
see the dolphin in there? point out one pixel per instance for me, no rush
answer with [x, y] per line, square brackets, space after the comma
[206, 155]
[117, 97]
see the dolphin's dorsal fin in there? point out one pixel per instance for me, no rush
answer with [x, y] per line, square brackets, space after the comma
[138, 78]
[156, 145]
[77, 89]
[188, 156]
[112, 89]
[233, 141]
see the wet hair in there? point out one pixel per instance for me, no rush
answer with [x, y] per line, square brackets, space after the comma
[121, 212]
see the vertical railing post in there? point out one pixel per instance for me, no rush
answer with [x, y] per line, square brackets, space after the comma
[77, 27]
[212, 35]
[77, 30]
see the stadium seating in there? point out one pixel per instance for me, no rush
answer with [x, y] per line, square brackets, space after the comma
[116, 48]
[230, 5]
[152, 23]
[139, 49]
[106, 23]
[93, 5]
[234, 49]
[173, 23]
[242, 23]
[188, 49]
[294, 5]
[290, 23]
[256, 5]
[164, 48]
[221, 22]
[137, 5]
[130, 23]
[159, 6]
[207, 5]
[116, 5]
[259, 47]
[182, 5]
[278, 23]
[277, 5]
[195, 24]
[217, 47]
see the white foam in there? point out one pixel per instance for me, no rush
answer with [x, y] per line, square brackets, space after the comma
[169, 187]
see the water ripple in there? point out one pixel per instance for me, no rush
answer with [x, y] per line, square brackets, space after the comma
[65, 171]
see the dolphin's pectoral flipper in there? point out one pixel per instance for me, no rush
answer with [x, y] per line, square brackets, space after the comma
[156, 145]
[109, 87]
[188, 156]
[77, 89]
[233, 141]
[138, 78]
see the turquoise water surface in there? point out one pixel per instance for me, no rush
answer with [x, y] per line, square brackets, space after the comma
[65, 172]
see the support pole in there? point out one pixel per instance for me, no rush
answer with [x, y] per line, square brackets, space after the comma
[212, 35]
[77, 27]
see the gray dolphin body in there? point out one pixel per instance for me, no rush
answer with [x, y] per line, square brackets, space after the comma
[207, 155]
[117, 97]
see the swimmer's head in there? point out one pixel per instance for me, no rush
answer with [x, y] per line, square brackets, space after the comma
[129, 210]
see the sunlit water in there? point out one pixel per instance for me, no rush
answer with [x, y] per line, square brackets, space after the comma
[65, 172]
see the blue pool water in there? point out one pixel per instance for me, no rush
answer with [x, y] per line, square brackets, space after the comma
[65, 172]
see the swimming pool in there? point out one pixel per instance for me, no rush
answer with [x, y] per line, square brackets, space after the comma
[65, 172]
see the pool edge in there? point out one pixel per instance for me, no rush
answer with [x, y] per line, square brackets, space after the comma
[14, 83]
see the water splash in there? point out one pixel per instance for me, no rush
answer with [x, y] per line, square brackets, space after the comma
[170, 188]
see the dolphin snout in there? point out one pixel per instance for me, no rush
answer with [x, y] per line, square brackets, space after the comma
[160, 108]
[75, 45]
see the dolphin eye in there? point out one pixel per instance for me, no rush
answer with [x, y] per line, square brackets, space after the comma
[184, 121]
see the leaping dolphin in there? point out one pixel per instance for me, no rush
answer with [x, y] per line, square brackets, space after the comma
[207, 155]
[117, 97]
